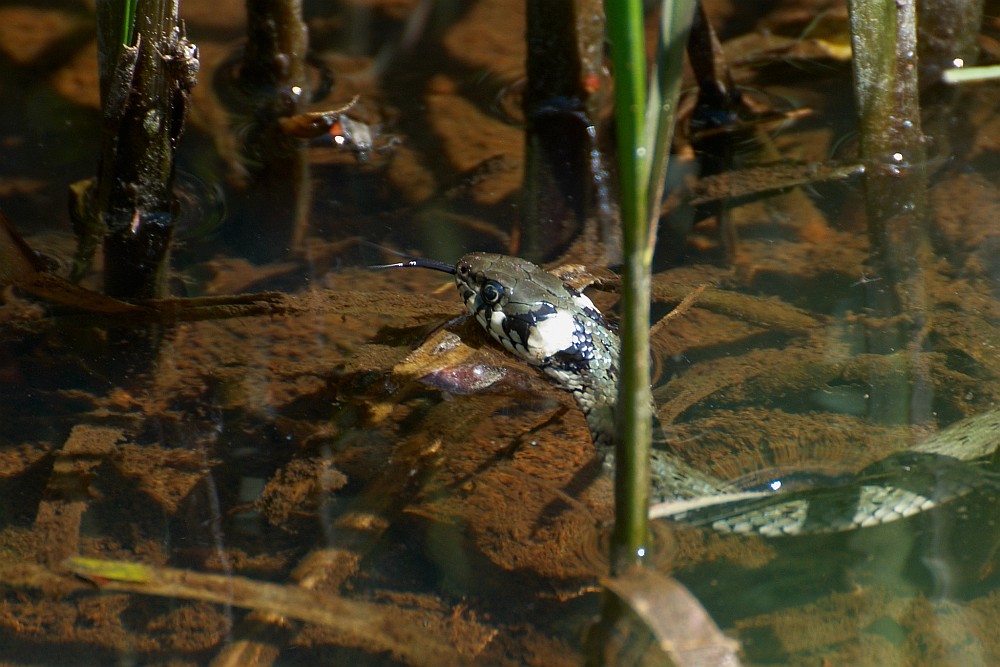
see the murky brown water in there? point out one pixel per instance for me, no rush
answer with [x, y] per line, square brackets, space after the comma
[331, 447]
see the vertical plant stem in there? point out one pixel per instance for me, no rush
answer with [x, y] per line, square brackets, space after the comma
[884, 41]
[644, 137]
[625, 32]
[629, 543]
[565, 194]
[146, 96]
[664, 90]
[128, 23]
[272, 215]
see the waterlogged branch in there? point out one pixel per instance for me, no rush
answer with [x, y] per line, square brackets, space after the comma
[396, 631]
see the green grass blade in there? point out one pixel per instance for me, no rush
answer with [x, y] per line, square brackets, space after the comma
[128, 22]
[664, 91]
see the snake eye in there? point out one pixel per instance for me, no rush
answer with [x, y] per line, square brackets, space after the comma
[491, 292]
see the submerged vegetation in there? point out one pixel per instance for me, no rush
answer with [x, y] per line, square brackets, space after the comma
[274, 463]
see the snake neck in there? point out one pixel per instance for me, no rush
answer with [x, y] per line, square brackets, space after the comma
[590, 373]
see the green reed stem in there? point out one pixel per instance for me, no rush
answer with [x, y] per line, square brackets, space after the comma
[664, 90]
[128, 22]
[625, 32]
[644, 137]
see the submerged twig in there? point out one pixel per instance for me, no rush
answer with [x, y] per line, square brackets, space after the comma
[679, 310]
[397, 631]
[762, 180]
[68, 493]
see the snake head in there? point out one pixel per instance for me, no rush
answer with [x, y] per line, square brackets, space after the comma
[545, 322]
[529, 311]
[535, 316]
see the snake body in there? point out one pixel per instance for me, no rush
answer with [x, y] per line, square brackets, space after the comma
[554, 327]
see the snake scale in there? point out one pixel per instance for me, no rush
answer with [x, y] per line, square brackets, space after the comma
[554, 327]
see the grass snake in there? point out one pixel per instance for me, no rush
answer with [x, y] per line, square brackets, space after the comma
[554, 327]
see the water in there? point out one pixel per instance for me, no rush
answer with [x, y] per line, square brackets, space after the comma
[303, 446]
